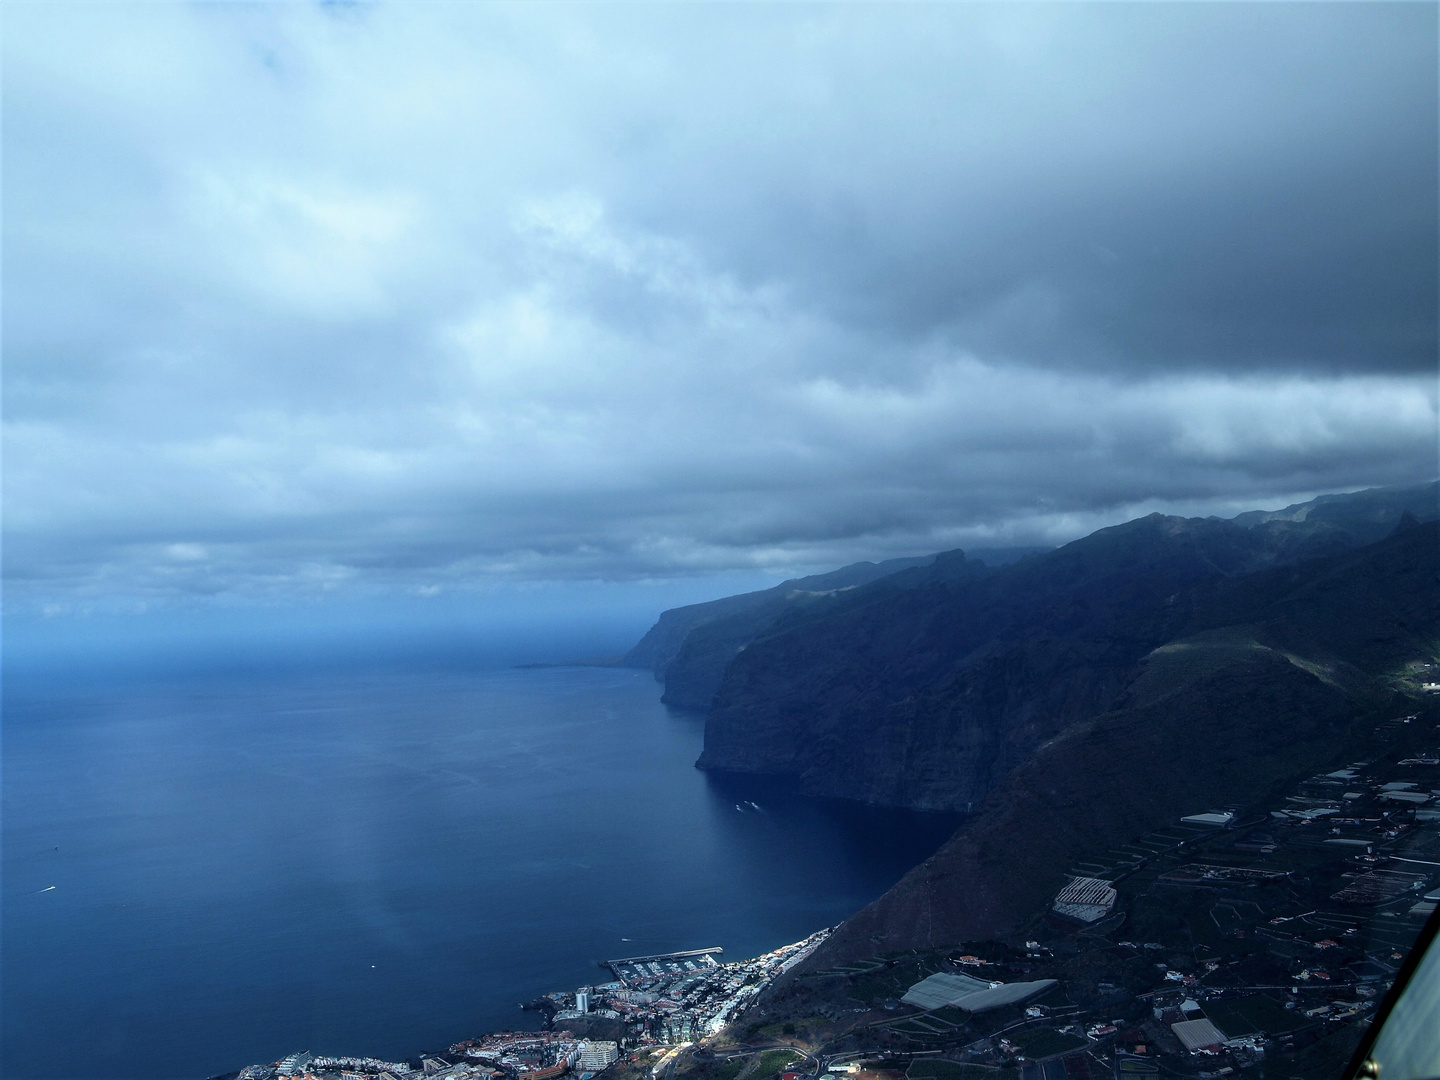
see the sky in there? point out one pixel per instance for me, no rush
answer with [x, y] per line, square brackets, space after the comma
[357, 309]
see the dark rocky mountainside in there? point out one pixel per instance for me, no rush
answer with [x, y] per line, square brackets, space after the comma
[926, 687]
[689, 648]
[695, 674]
[1279, 675]
[663, 642]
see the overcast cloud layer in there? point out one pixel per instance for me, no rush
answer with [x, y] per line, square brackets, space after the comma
[419, 296]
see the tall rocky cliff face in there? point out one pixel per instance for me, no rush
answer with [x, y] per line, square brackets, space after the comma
[923, 683]
[688, 648]
[926, 692]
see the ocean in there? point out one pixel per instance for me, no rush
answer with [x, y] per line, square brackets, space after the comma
[200, 874]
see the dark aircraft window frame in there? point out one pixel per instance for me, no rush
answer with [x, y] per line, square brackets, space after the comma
[1363, 1065]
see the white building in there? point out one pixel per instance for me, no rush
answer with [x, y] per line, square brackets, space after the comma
[1217, 818]
[582, 1001]
[597, 1054]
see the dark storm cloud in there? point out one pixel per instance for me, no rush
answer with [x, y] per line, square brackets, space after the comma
[302, 301]
[1140, 186]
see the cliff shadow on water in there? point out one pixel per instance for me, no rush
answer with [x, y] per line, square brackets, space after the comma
[885, 840]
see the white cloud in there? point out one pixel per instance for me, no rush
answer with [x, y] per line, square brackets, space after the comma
[419, 296]
[297, 245]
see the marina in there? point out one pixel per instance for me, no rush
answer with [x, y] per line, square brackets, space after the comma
[634, 970]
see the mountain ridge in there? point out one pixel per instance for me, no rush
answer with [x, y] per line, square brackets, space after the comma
[923, 688]
[690, 648]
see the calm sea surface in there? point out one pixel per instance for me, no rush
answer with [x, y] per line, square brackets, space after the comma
[203, 875]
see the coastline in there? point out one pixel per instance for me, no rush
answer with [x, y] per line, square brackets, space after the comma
[662, 1002]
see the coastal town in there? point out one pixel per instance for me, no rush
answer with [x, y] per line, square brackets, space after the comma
[1253, 941]
[667, 1000]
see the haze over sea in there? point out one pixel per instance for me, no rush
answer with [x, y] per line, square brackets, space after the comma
[207, 871]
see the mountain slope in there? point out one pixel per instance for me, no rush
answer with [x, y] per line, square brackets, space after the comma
[1294, 686]
[1232, 736]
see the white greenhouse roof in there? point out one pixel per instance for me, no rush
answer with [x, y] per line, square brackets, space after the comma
[1006, 994]
[940, 990]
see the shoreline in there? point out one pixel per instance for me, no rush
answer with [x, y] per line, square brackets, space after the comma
[664, 1001]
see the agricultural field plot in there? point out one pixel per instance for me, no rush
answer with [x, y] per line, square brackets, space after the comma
[1245, 1016]
[915, 1025]
[887, 983]
[860, 967]
[770, 1063]
[719, 1070]
[937, 1069]
[1041, 1043]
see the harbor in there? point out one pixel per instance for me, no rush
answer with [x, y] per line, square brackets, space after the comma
[637, 970]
